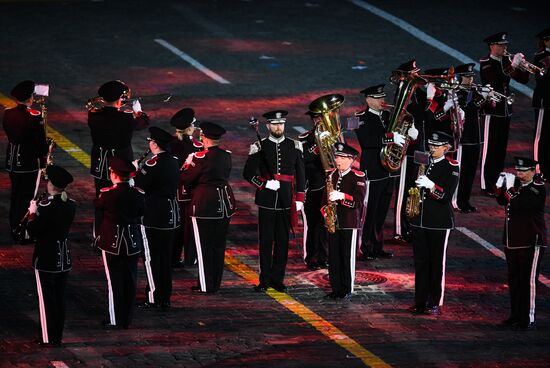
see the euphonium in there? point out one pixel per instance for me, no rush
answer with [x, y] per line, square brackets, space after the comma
[327, 132]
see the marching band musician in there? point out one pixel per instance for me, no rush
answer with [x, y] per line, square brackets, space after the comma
[541, 103]
[497, 69]
[26, 150]
[433, 224]
[315, 233]
[207, 173]
[275, 167]
[372, 136]
[182, 146]
[159, 178]
[524, 238]
[111, 130]
[120, 240]
[49, 222]
[348, 195]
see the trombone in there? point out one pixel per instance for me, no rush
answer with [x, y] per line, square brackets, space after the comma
[528, 67]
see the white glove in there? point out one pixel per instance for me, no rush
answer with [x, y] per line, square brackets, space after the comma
[430, 91]
[423, 181]
[336, 196]
[461, 114]
[135, 163]
[500, 180]
[136, 106]
[398, 139]
[450, 103]
[33, 207]
[131, 182]
[413, 132]
[299, 206]
[518, 58]
[273, 184]
[510, 179]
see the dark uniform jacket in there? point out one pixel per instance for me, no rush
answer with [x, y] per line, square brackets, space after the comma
[315, 173]
[207, 174]
[112, 131]
[120, 231]
[541, 96]
[348, 210]
[159, 179]
[524, 226]
[371, 135]
[182, 149]
[498, 73]
[437, 119]
[27, 147]
[470, 102]
[50, 225]
[279, 159]
[435, 209]
[417, 108]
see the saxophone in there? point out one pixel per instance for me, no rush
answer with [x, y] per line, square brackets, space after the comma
[327, 132]
[41, 101]
[412, 207]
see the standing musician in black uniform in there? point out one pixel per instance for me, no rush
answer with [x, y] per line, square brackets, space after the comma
[373, 136]
[524, 238]
[348, 195]
[497, 69]
[26, 151]
[182, 146]
[49, 222]
[433, 224]
[120, 240]
[159, 178]
[275, 166]
[207, 173]
[470, 101]
[541, 103]
[112, 130]
[315, 233]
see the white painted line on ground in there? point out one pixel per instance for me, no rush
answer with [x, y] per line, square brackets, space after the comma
[300, 129]
[194, 63]
[424, 37]
[491, 248]
[58, 364]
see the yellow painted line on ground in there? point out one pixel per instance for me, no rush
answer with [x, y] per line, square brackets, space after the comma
[61, 141]
[320, 324]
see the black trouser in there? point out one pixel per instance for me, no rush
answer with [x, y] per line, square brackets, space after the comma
[157, 249]
[273, 227]
[315, 239]
[121, 274]
[341, 266]
[51, 304]
[541, 146]
[469, 158]
[523, 273]
[379, 194]
[494, 149]
[23, 190]
[407, 177]
[210, 237]
[99, 184]
[429, 250]
[183, 238]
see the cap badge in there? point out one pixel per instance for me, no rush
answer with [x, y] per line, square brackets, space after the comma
[340, 147]
[278, 115]
[520, 162]
[435, 136]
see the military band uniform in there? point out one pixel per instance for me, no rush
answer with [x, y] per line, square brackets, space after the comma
[26, 151]
[159, 179]
[315, 246]
[524, 240]
[51, 259]
[431, 229]
[497, 72]
[121, 244]
[213, 203]
[275, 159]
[541, 104]
[343, 243]
[372, 138]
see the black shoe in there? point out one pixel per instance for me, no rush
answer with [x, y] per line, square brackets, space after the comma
[417, 309]
[147, 305]
[196, 289]
[369, 256]
[331, 295]
[109, 326]
[27, 241]
[312, 266]
[434, 310]
[510, 322]
[383, 254]
[260, 287]
[51, 344]
[529, 326]
[165, 305]
[178, 264]
[323, 265]
[280, 287]
[345, 296]
[488, 193]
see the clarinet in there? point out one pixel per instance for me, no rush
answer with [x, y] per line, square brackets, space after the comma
[143, 157]
[21, 228]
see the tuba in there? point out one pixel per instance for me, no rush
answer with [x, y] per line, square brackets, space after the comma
[328, 132]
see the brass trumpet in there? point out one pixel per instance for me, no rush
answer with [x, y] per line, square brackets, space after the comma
[492, 94]
[528, 67]
[98, 102]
